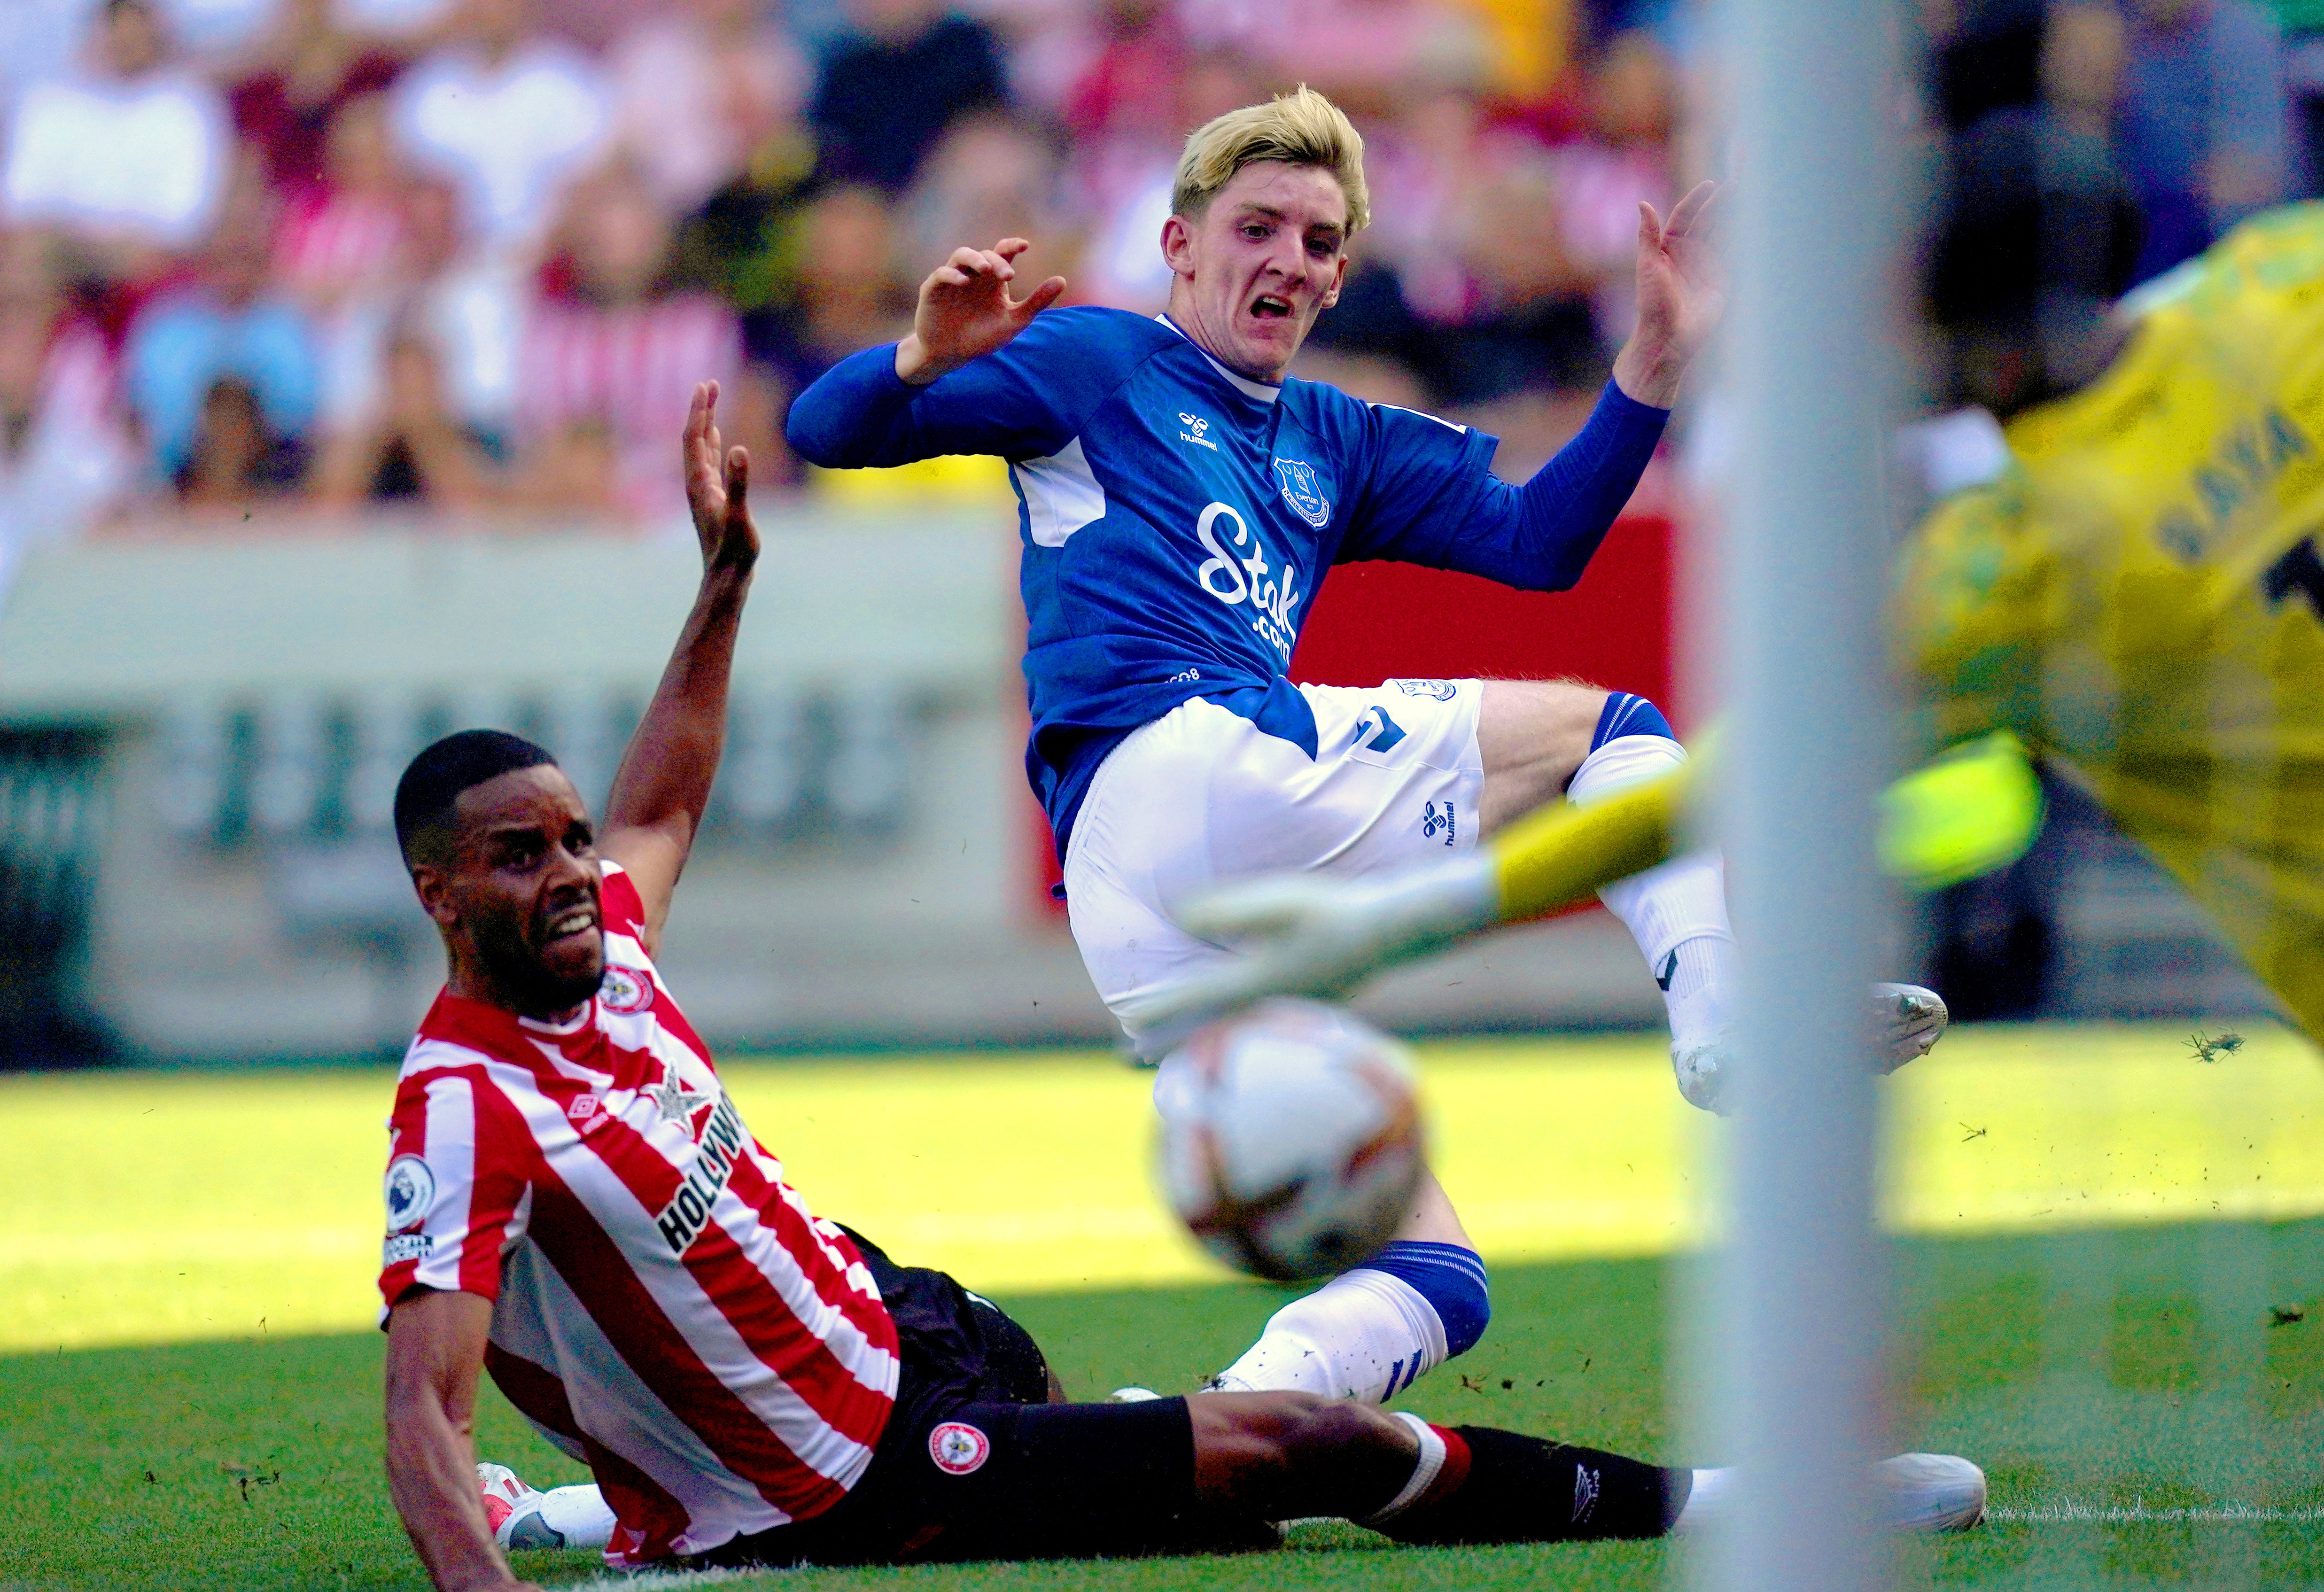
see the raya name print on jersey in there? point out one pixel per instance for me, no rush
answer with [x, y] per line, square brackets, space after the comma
[2240, 472]
[681, 1221]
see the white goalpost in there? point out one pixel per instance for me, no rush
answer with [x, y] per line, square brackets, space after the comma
[1797, 1356]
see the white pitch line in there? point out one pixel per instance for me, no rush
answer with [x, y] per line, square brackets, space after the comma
[2071, 1514]
[666, 1580]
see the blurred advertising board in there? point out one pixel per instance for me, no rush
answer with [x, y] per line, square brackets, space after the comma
[201, 734]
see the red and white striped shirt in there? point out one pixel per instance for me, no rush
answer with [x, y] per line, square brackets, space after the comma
[334, 246]
[665, 1306]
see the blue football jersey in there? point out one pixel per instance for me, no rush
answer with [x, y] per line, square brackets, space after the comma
[1177, 518]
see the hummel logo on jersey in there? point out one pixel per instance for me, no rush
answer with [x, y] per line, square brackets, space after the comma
[1195, 426]
[681, 1221]
[1585, 1492]
[1667, 971]
[1430, 821]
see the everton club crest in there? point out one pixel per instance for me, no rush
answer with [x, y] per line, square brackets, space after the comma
[1303, 492]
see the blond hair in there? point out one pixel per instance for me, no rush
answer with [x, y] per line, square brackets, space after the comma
[1301, 128]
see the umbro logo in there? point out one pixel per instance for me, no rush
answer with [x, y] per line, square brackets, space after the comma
[1585, 1492]
[1194, 430]
[1667, 971]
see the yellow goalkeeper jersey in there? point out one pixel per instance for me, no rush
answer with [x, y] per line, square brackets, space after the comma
[2140, 595]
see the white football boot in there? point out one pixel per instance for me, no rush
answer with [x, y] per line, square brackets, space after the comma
[1905, 1023]
[1930, 1492]
[1916, 1493]
[512, 1509]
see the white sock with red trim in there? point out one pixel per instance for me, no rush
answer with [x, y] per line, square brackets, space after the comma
[1426, 1466]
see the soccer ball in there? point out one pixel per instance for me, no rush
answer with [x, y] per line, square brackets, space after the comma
[1291, 1139]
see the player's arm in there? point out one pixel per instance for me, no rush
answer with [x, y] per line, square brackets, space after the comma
[435, 1354]
[937, 390]
[1431, 497]
[666, 774]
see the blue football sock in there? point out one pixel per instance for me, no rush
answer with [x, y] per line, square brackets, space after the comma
[1451, 1279]
[1372, 1332]
[1625, 715]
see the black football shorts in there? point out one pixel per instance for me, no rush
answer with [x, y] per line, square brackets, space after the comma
[976, 1463]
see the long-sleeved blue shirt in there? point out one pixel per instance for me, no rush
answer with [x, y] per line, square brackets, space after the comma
[1176, 517]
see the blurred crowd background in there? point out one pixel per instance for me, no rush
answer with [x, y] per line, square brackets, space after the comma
[471, 253]
[343, 345]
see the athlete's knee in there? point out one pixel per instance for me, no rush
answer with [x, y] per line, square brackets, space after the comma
[1531, 737]
[1536, 718]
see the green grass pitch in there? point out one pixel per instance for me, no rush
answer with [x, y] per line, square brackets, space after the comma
[2112, 1297]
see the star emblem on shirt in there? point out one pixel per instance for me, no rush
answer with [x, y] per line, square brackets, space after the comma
[672, 1098]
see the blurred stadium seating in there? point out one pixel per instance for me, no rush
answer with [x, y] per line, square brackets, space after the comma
[343, 344]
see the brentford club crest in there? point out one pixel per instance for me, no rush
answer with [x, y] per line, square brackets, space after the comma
[625, 989]
[957, 1448]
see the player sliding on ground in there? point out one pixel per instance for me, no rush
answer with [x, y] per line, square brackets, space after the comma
[2127, 580]
[1182, 499]
[574, 1205]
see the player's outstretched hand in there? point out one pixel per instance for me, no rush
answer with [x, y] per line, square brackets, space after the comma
[717, 488]
[965, 310]
[1682, 295]
[1305, 933]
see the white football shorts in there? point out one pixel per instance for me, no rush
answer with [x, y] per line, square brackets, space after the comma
[1201, 796]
